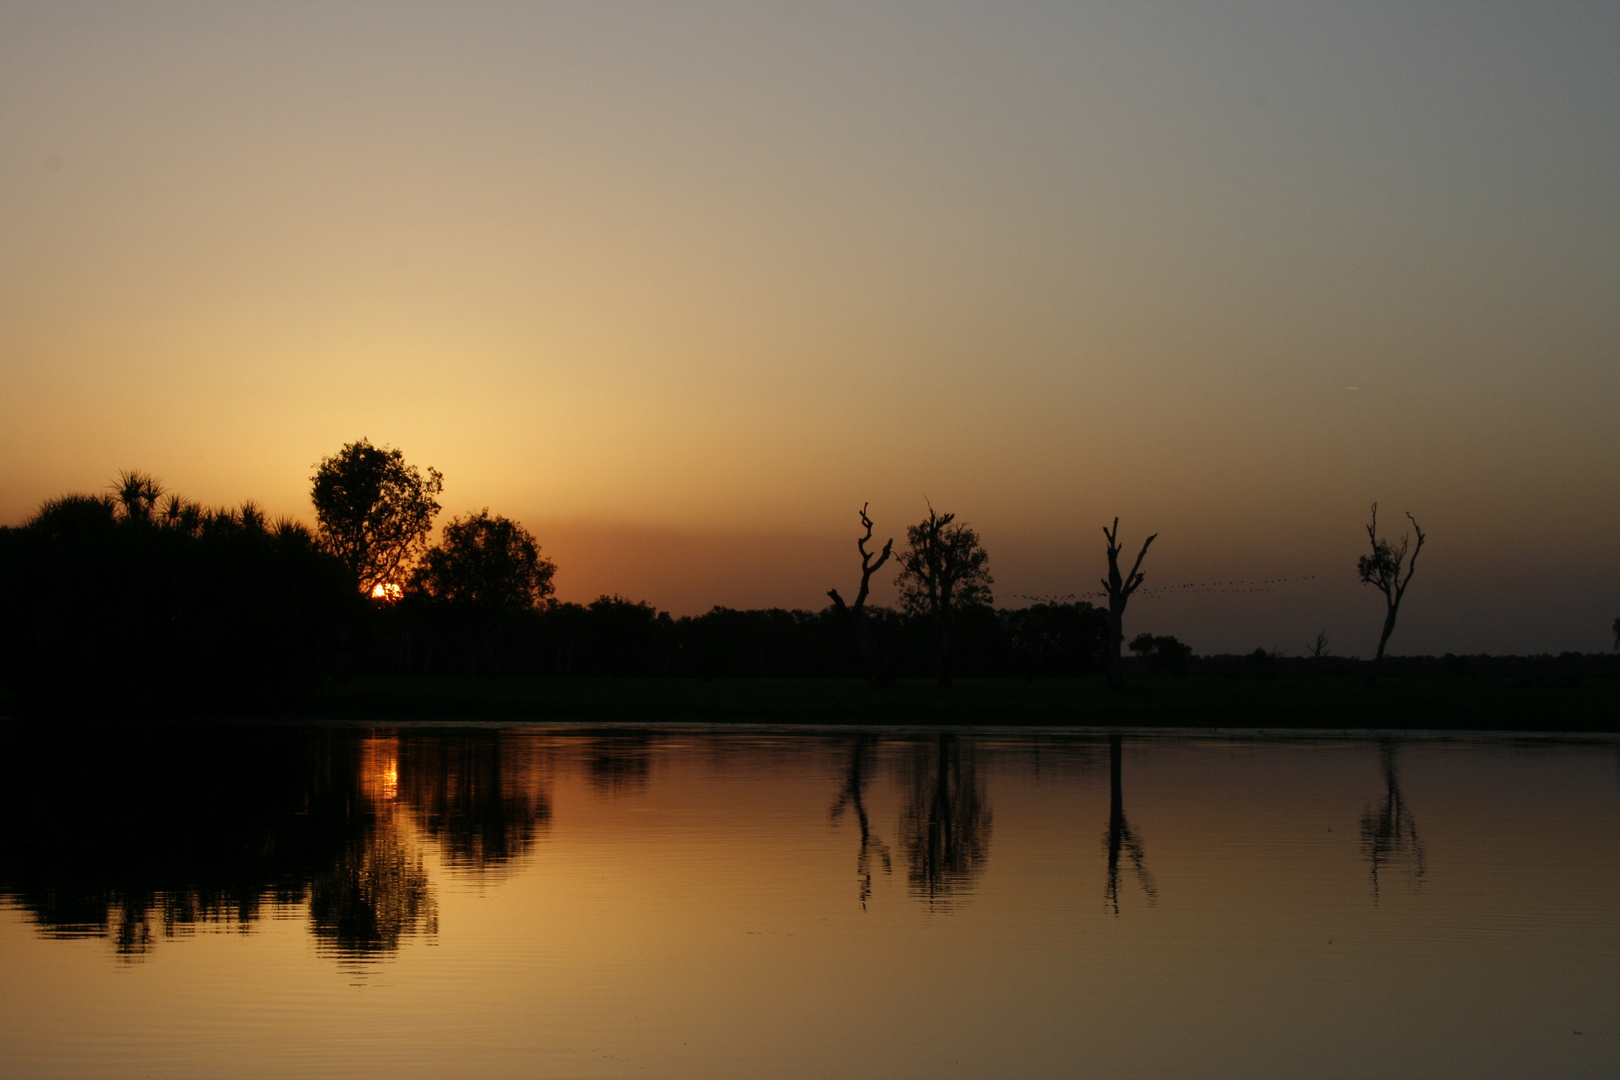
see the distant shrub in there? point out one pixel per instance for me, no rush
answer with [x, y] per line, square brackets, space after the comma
[1163, 653]
[129, 605]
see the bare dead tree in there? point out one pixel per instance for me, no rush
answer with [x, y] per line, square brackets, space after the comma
[1120, 587]
[1319, 647]
[854, 615]
[1382, 569]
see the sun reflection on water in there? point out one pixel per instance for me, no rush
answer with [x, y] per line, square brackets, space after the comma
[379, 768]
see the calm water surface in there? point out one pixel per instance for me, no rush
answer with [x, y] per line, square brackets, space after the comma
[530, 902]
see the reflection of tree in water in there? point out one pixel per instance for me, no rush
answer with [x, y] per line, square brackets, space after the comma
[1389, 835]
[944, 821]
[374, 896]
[133, 835]
[376, 892]
[852, 797]
[619, 763]
[1121, 838]
[479, 795]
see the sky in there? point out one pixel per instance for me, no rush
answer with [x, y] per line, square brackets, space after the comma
[681, 286]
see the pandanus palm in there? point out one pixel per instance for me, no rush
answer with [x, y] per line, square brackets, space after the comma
[137, 495]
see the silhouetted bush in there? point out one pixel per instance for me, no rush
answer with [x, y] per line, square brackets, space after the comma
[612, 636]
[1164, 654]
[1058, 639]
[128, 607]
[725, 642]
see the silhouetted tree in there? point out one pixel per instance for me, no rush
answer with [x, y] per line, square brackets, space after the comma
[137, 495]
[944, 571]
[489, 562]
[373, 511]
[140, 603]
[1119, 589]
[1121, 838]
[1382, 569]
[1318, 646]
[854, 615]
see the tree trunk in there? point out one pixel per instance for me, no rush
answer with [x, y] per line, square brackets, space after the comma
[945, 650]
[1116, 643]
[1383, 639]
[873, 668]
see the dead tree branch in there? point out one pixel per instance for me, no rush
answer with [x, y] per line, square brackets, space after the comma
[854, 615]
[1119, 588]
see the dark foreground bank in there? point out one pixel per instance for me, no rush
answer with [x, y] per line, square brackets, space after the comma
[1400, 703]
[1526, 698]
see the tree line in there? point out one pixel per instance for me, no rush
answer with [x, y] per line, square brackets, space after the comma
[138, 598]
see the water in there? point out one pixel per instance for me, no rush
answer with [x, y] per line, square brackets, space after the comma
[530, 902]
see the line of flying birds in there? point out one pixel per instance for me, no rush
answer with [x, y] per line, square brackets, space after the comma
[1265, 585]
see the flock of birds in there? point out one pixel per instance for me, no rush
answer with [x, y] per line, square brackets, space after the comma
[1188, 589]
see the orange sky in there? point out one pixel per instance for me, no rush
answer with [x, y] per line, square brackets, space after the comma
[681, 288]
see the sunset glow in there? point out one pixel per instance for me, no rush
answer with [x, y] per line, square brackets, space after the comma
[681, 287]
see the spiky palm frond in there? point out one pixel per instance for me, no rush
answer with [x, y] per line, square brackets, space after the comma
[137, 494]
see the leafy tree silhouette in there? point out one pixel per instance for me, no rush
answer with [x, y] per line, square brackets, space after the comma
[1119, 588]
[491, 562]
[373, 511]
[1382, 569]
[943, 572]
[854, 615]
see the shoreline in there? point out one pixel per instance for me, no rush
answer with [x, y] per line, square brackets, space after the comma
[1282, 706]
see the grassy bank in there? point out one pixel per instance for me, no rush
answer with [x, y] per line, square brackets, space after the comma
[1418, 703]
